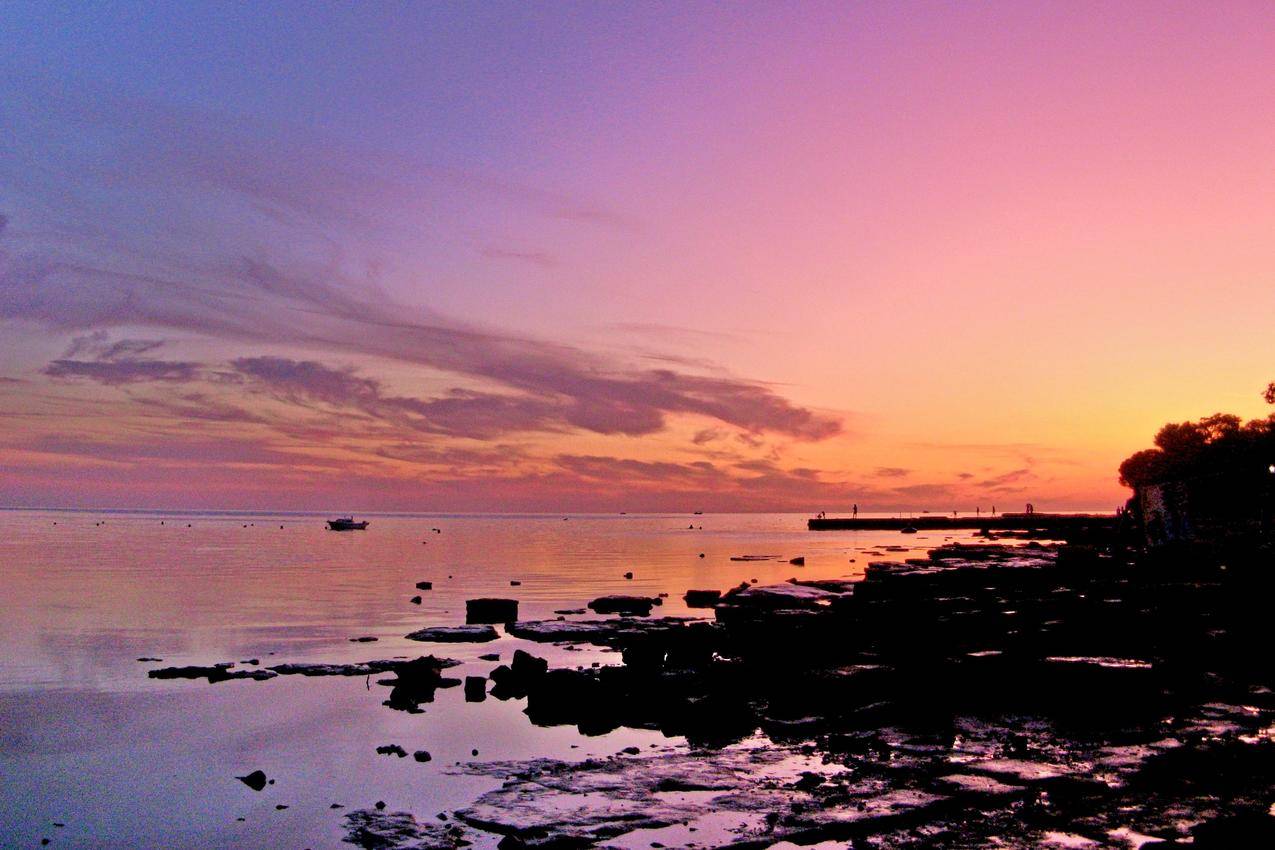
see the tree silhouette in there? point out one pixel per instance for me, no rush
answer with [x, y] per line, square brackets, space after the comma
[1216, 446]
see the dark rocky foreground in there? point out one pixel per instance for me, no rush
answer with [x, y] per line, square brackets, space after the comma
[1025, 696]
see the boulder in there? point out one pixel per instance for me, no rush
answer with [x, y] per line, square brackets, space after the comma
[527, 667]
[702, 598]
[255, 780]
[475, 688]
[629, 606]
[491, 610]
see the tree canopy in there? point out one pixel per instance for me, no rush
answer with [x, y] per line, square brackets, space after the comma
[1216, 446]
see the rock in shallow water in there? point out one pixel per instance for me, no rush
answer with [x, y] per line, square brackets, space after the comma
[455, 634]
[491, 610]
[255, 780]
[629, 606]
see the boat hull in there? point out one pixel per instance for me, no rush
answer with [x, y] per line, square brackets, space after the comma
[338, 525]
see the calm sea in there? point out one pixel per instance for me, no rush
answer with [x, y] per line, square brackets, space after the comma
[88, 741]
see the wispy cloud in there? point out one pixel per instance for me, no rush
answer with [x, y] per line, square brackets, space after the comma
[179, 226]
[116, 372]
[543, 259]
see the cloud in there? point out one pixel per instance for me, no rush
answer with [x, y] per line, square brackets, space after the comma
[536, 258]
[1004, 479]
[116, 372]
[98, 345]
[173, 448]
[116, 363]
[706, 436]
[925, 493]
[199, 196]
[460, 413]
[892, 472]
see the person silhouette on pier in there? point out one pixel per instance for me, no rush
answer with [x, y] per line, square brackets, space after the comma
[854, 511]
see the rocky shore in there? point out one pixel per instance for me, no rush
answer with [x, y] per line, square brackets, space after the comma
[1025, 695]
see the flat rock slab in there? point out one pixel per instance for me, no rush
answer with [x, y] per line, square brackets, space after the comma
[455, 634]
[554, 803]
[381, 830]
[223, 671]
[638, 606]
[786, 595]
[598, 632]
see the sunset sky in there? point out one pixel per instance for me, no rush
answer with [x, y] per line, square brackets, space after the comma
[567, 257]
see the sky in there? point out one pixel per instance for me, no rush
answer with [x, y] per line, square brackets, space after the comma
[652, 256]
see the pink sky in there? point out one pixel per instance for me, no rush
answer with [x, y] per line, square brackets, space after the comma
[664, 257]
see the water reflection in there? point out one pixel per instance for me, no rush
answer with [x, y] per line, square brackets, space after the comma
[125, 761]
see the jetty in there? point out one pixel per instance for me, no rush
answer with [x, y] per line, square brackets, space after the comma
[1040, 522]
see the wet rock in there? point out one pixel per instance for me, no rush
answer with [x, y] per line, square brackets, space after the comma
[381, 830]
[416, 681]
[570, 611]
[488, 610]
[799, 561]
[392, 750]
[422, 755]
[490, 656]
[527, 667]
[475, 688]
[545, 803]
[220, 672]
[630, 606]
[1250, 829]
[702, 598]
[455, 634]
[415, 600]
[515, 680]
[776, 596]
[363, 668]
[364, 639]
[255, 780]
[424, 585]
[598, 632]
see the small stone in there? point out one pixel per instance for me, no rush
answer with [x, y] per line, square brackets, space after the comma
[255, 780]
[422, 755]
[415, 600]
